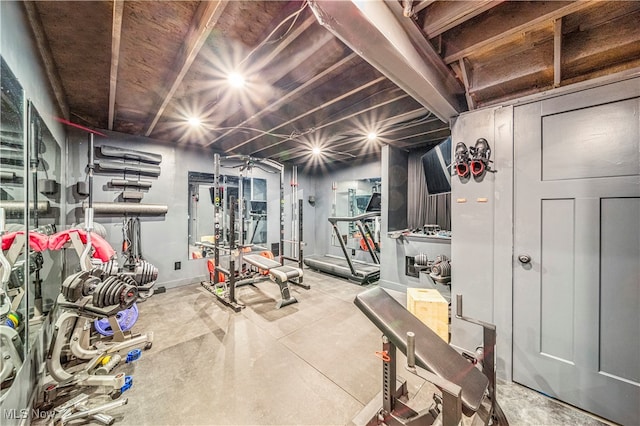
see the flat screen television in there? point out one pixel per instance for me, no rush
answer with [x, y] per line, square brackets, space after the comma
[435, 164]
[375, 203]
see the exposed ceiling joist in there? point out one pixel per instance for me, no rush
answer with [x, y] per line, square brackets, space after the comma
[47, 58]
[443, 16]
[343, 118]
[282, 44]
[202, 23]
[282, 70]
[421, 5]
[290, 95]
[422, 134]
[506, 29]
[286, 67]
[617, 41]
[496, 51]
[385, 125]
[465, 79]
[436, 136]
[397, 141]
[557, 52]
[309, 112]
[116, 31]
[502, 72]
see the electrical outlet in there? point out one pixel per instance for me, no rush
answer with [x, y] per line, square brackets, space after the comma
[177, 266]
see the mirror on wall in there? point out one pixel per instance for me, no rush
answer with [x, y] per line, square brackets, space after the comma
[31, 177]
[352, 198]
[252, 229]
[13, 216]
[44, 177]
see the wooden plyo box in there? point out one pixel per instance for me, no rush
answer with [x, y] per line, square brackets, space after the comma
[431, 308]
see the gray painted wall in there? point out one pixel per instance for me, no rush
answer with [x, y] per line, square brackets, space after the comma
[170, 232]
[481, 248]
[19, 51]
[164, 238]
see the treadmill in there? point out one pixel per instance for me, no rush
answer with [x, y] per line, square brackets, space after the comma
[345, 267]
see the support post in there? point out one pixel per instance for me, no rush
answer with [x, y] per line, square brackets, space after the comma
[281, 254]
[388, 375]
[232, 247]
[294, 211]
[300, 236]
[216, 216]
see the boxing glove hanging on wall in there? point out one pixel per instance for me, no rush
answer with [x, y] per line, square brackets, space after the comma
[462, 160]
[480, 154]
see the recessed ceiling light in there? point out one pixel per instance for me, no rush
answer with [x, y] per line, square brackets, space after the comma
[372, 136]
[194, 121]
[236, 80]
[316, 150]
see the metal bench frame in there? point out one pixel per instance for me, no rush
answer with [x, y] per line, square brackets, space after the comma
[389, 407]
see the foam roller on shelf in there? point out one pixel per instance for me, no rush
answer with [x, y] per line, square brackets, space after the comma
[128, 208]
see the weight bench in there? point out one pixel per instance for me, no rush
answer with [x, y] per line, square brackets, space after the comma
[464, 389]
[280, 274]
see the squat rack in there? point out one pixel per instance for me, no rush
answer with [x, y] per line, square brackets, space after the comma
[225, 291]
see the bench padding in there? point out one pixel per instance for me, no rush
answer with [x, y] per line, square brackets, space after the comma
[432, 353]
[261, 261]
[280, 273]
[285, 273]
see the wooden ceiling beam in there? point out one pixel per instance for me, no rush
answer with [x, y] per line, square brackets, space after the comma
[47, 57]
[204, 19]
[421, 5]
[508, 22]
[505, 73]
[116, 32]
[293, 94]
[557, 52]
[601, 47]
[444, 15]
[465, 79]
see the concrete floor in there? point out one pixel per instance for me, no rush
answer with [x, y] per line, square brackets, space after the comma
[310, 363]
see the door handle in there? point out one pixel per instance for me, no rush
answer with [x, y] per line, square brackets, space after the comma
[524, 259]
